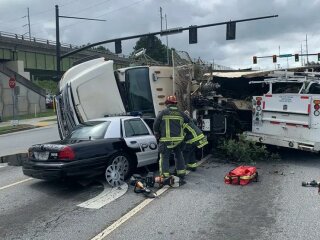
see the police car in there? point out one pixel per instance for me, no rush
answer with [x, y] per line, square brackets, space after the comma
[92, 147]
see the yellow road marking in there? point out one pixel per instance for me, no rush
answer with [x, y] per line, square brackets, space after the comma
[135, 210]
[16, 183]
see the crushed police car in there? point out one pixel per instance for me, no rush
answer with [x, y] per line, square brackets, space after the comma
[91, 147]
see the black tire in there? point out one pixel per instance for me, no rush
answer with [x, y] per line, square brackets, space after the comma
[129, 163]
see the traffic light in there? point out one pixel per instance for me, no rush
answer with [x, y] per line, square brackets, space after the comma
[296, 57]
[319, 57]
[231, 31]
[193, 34]
[254, 59]
[117, 45]
[274, 58]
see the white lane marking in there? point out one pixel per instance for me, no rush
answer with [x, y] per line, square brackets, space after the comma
[3, 165]
[107, 196]
[16, 183]
[135, 210]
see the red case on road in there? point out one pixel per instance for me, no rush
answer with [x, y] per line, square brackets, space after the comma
[241, 175]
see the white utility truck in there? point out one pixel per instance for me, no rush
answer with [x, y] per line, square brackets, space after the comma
[288, 115]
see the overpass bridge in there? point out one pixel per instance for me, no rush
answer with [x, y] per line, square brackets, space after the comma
[27, 59]
[39, 55]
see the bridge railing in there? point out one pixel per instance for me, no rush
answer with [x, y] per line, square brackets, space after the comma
[33, 39]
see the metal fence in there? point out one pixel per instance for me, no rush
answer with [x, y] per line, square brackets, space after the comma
[37, 40]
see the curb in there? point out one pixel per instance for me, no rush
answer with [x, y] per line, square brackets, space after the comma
[14, 159]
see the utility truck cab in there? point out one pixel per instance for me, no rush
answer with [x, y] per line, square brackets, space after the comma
[288, 115]
[93, 90]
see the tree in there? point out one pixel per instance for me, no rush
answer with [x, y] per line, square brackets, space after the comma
[101, 48]
[156, 51]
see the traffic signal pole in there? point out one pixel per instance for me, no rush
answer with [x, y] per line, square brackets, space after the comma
[163, 33]
[274, 57]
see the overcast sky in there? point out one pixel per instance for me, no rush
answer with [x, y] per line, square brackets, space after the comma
[130, 17]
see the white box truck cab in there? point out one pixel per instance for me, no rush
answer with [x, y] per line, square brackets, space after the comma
[93, 89]
[288, 115]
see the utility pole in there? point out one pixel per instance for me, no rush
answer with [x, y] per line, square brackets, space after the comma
[307, 49]
[301, 56]
[29, 25]
[161, 18]
[165, 16]
[279, 50]
[58, 50]
[58, 45]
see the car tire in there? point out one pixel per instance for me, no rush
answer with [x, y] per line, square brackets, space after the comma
[125, 161]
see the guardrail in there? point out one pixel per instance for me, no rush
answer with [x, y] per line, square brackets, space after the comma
[53, 43]
[37, 40]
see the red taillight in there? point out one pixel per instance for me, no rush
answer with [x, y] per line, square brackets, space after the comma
[66, 153]
[317, 107]
[258, 103]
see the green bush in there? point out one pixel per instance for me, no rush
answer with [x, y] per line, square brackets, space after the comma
[241, 150]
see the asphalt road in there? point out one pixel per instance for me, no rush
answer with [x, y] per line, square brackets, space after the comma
[19, 142]
[277, 207]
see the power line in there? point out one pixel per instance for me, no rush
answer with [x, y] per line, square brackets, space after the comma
[37, 13]
[115, 10]
[92, 6]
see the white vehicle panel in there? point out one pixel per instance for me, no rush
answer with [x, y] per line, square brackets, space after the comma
[293, 103]
[99, 84]
[94, 89]
[78, 69]
[146, 146]
[280, 119]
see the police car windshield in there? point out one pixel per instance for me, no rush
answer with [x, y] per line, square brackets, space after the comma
[90, 130]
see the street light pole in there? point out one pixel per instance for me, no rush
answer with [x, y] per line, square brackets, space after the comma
[58, 50]
[58, 45]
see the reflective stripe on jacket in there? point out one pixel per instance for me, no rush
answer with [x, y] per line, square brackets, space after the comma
[169, 125]
[193, 135]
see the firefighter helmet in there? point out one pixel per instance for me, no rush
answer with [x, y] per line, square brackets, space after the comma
[171, 100]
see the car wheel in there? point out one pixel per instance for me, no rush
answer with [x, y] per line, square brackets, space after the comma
[123, 162]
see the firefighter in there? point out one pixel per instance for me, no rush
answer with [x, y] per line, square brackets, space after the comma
[168, 128]
[194, 138]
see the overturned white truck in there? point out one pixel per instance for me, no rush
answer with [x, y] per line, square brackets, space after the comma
[93, 89]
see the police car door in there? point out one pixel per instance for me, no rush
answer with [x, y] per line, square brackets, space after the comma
[139, 137]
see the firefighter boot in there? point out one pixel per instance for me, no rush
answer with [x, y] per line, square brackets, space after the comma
[192, 166]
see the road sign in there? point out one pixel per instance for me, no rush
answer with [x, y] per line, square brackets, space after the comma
[12, 82]
[285, 55]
